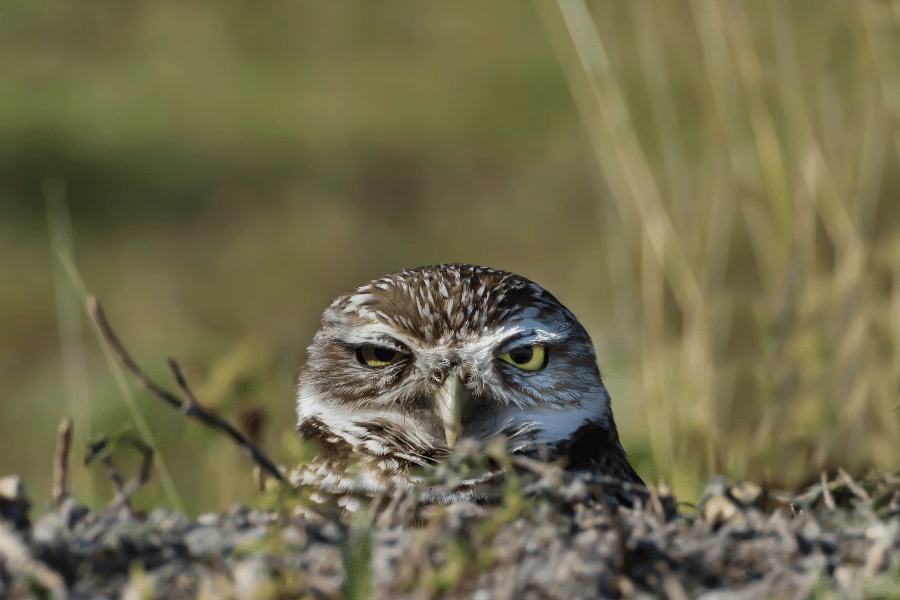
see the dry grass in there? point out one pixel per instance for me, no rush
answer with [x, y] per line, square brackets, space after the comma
[764, 241]
[734, 249]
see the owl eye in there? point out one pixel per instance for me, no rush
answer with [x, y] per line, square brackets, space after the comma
[529, 358]
[377, 356]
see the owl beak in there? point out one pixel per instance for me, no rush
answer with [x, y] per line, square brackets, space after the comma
[451, 398]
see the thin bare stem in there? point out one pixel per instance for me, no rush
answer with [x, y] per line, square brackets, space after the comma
[854, 487]
[124, 491]
[191, 407]
[827, 498]
[61, 462]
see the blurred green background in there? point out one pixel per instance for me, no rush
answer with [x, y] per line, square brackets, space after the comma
[712, 186]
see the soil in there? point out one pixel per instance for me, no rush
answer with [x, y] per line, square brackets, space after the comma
[544, 534]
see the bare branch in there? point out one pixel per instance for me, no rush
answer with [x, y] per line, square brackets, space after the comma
[191, 407]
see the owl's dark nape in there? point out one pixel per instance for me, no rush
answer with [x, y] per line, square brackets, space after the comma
[404, 367]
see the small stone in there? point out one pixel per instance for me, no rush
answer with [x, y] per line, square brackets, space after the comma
[12, 488]
[49, 528]
[251, 577]
[14, 504]
[209, 519]
[719, 509]
[746, 493]
[164, 518]
[250, 537]
[294, 537]
[203, 541]
[72, 512]
[587, 539]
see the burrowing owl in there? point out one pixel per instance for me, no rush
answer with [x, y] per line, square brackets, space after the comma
[408, 364]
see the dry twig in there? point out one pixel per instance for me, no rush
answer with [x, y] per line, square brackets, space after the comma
[17, 557]
[894, 504]
[61, 462]
[124, 492]
[673, 587]
[854, 487]
[826, 492]
[190, 407]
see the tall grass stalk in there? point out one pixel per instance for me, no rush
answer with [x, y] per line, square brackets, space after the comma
[751, 193]
[68, 316]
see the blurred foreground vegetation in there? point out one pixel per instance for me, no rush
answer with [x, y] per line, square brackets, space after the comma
[720, 205]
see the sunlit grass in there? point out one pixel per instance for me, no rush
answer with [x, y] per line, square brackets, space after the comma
[767, 273]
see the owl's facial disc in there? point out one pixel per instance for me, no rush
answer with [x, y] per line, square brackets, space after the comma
[436, 354]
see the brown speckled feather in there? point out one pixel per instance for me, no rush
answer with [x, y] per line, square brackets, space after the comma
[407, 364]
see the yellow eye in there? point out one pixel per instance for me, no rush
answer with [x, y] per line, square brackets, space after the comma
[377, 356]
[530, 358]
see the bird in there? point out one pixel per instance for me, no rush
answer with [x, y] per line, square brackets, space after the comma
[406, 367]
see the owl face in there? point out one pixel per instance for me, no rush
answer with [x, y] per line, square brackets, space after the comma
[408, 364]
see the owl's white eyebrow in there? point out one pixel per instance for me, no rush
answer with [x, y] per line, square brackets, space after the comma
[534, 335]
[375, 340]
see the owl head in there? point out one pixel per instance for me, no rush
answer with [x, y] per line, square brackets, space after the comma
[406, 365]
